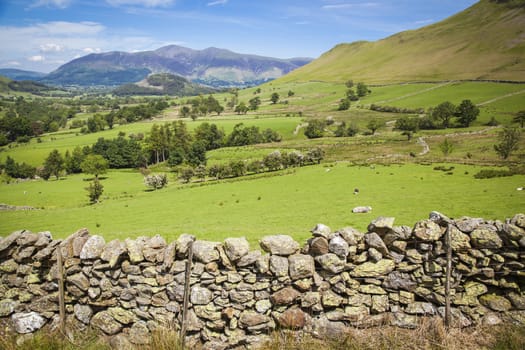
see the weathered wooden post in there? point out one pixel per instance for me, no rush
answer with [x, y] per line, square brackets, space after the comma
[186, 295]
[448, 277]
[61, 291]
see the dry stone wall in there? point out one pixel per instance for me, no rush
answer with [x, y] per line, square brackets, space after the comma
[389, 275]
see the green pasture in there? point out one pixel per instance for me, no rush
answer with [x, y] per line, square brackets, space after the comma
[291, 202]
[35, 152]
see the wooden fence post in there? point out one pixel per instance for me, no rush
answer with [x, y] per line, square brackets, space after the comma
[186, 296]
[61, 291]
[448, 277]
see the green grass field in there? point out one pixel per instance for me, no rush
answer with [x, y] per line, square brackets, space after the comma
[290, 203]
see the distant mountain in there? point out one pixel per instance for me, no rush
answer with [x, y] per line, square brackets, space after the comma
[8, 85]
[163, 84]
[485, 41]
[211, 66]
[18, 74]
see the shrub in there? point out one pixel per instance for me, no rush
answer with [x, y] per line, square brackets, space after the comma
[95, 190]
[156, 181]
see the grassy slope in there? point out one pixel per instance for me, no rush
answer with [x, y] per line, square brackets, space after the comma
[290, 204]
[486, 41]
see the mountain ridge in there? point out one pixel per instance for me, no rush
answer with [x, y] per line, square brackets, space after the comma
[211, 66]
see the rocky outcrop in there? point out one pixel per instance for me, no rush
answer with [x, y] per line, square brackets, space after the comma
[388, 275]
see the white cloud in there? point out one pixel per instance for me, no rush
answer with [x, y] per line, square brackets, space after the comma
[36, 58]
[62, 4]
[424, 21]
[51, 47]
[145, 3]
[217, 2]
[12, 63]
[89, 50]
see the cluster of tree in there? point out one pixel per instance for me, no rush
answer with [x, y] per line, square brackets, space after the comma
[274, 161]
[130, 114]
[446, 115]
[201, 106]
[173, 143]
[156, 181]
[27, 118]
[393, 109]
[18, 170]
[361, 90]
[316, 128]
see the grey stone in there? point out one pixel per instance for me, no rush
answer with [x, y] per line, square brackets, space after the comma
[7, 307]
[139, 333]
[279, 245]
[83, 313]
[402, 320]
[381, 224]
[397, 280]
[458, 240]
[279, 265]
[236, 248]
[321, 230]
[8, 241]
[182, 243]
[134, 248]
[339, 247]
[79, 280]
[251, 319]
[362, 210]
[373, 240]
[324, 328]
[205, 252]
[106, 323]
[27, 322]
[93, 247]
[249, 259]
[518, 220]
[112, 252]
[467, 225]
[261, 306]
[200, 295]
[301, 266]
[420, 308]
[351, 235]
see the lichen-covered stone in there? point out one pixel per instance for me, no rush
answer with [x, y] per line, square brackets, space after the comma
[7, 307]
[279, 245]
[331, 262]
[251, 319]
[373, 240]
[134, 248]
[369, 269]
[486, 237]
[495, 302]
[427, 230]
[106, 323]
[301, 266]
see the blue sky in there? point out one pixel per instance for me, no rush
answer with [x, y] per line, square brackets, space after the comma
[41, 35]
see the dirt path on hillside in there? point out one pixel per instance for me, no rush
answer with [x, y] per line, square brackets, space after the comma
[501, 97]
[417, 92]
[426, 148]
[299, 127]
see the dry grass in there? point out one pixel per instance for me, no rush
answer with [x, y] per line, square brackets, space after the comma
[430, 335]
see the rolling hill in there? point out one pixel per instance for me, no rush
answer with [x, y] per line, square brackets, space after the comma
[211, 66]
[163, 84]
[483, 42]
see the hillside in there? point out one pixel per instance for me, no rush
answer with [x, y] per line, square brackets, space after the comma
[211, 66]
[485, 41]
[163, 84]
[19, 74]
